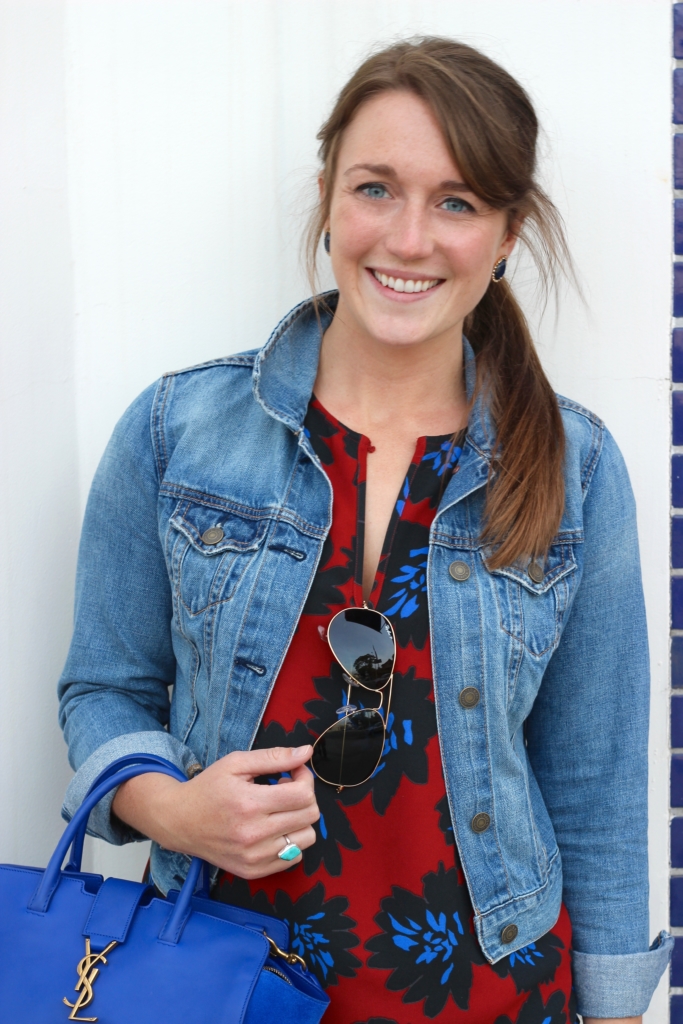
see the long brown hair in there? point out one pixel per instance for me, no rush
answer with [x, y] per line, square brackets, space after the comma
[491, 129]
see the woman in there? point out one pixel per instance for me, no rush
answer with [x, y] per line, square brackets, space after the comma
[243, 533]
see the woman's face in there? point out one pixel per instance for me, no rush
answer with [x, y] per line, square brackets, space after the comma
[412, 248]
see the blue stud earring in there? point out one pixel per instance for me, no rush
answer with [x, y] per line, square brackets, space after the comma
[326, 242]
[499, 269]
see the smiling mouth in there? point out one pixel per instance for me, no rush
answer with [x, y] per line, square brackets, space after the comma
[410, 285]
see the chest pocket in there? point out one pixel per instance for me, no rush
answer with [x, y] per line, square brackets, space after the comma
[533, 599]
[209, 552]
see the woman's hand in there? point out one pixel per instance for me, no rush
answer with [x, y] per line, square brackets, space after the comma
[222, 815]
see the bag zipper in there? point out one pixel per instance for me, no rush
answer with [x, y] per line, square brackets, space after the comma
[274, 970]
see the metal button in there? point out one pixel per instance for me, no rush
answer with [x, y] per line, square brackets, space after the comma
[480, 822]
[536, 572]
[459, 570]
[469, 697]
[214, 535]
[509, 933]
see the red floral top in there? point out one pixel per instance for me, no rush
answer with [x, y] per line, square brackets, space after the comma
[379, 907]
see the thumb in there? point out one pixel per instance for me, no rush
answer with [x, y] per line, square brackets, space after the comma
[271, 760]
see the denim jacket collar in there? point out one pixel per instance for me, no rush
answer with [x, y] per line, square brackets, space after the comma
[286, 367]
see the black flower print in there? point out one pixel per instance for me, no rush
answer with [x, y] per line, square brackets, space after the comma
[404, 597]
[317, 427]
[428, 942]
[237, 892]
[436, 468]
[409, 726]
[534, 964]
[274, 735]
[376, 1020]
[535, 1011]
[325, 594]
[445, 823]
[332, 828]
[320, 932]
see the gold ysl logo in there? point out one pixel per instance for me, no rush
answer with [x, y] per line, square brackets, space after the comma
[87, 972]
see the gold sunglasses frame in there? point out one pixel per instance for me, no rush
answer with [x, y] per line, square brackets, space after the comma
[355, 682]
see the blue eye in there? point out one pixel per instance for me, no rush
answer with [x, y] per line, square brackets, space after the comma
[455, 205]
[374, 191]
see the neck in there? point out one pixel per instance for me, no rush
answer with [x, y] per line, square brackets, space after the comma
[370, 385]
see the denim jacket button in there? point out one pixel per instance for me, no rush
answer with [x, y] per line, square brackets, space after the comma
[480, 822]
[459, 570]
[214, 535]
[469, 697]
[509, 933]
[536, 573]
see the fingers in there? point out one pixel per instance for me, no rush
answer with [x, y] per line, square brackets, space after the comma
[251, 763]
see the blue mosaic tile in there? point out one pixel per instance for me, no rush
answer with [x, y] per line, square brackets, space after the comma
[677, 964]
[677, 542]
[677, 355]
[677, 663]
[676, 901]
[678, 286]
[678, 161]
[677, 603]
[676, 781]
[678, 227]
[678, 31]
[677, 481]
[678, 96]
[677, 416]
[677, 721]
[676, 1016]
[677, 843]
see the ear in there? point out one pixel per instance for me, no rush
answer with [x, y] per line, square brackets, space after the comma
[321, 187]
[509, 240]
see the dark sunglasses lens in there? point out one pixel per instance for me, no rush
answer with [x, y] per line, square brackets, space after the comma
[348, 753]
[363, 643]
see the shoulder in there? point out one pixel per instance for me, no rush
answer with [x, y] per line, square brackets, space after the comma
[592, 456]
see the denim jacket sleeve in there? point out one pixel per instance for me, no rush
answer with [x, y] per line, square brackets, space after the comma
[114, 690]
[587, 741]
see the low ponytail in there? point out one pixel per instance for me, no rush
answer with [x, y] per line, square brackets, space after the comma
[525, 495]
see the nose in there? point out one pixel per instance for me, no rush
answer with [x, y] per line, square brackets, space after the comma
[409, 236]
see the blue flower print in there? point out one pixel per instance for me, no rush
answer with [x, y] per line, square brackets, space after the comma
[407, 600]
[404, 594]
[428, 942]
[320, 932]
[536, 1011]
[534, 964]
[444, 458]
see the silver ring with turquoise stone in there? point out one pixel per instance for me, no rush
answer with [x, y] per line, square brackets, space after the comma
[290, 851]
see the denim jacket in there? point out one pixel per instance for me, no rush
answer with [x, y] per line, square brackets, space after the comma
[555, 751]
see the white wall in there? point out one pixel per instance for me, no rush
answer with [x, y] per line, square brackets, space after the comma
[156, 163]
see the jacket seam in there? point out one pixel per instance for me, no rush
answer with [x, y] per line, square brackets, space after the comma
[524, 896]
[169, 490]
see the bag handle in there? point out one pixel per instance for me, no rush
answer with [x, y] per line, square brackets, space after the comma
[114, 775]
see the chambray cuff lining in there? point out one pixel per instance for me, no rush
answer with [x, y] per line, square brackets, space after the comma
[620, 986]
[101, 823]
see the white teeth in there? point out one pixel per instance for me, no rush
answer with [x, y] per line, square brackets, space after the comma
[399, 284]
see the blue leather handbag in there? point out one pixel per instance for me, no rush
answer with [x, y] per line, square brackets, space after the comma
[75, 947]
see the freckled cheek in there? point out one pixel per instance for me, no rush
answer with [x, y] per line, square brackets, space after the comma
[355, 234]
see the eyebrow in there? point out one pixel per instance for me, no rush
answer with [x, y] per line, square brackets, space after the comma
[385, 171]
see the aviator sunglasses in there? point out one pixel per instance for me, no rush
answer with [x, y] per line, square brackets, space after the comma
[347, 753]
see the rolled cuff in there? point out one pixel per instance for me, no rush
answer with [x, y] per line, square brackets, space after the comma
[622, 985]
[101, 822]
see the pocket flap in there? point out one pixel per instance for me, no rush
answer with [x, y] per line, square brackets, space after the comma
[213, 531]
[558, 563]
